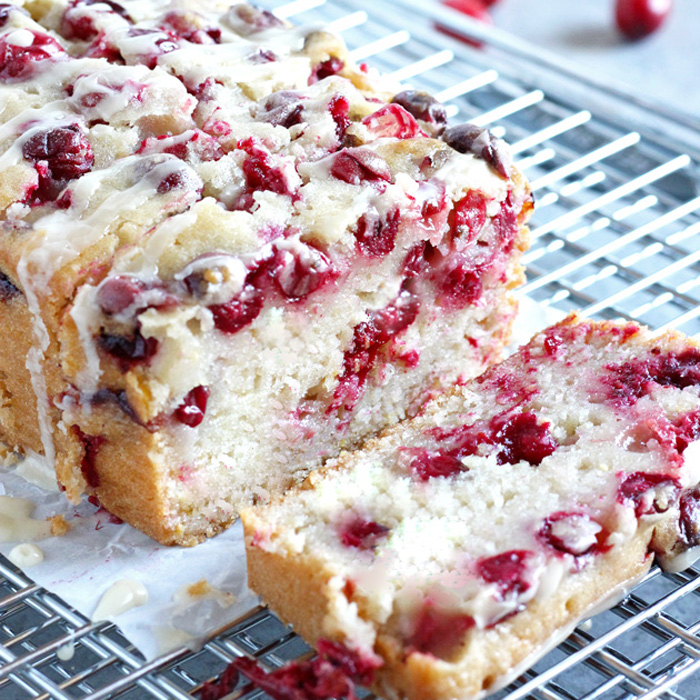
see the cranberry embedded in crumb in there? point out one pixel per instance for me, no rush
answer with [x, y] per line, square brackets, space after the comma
[522, 437]
[439, 632]
[629, 381]
[468, 217]
[358, 165]
[648, 493]
[570, 533]
[639, 18]
[77, 25]
[331, 66]
[181, 22]
[392, 121]
[254, 19]
[686, 429]
[509, 571]
[300, 272]
[260, 171]
[193, 407]
[59, 154]
[460, 283]
[91, 446]
[367, 342]
[469, 138]
[128, 350]
[376, 237]
[430, 464]
[422, 106]
[362, 534]
[689, 520]
[339, 107]
[5, 10]
[118, 293]
[7, 289]
[283, 108]
[241, 311]
[18, 60]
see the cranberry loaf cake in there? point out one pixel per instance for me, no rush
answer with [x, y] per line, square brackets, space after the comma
[228, 252]
[452, 551]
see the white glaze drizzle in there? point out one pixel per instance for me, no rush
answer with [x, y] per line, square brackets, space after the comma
[121, 596]
[16, 522]
[26, 555]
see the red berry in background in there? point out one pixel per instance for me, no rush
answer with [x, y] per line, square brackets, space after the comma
[639, 18]
[473, 8]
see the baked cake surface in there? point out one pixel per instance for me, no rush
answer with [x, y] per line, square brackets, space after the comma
[451, 552]
[228, 252]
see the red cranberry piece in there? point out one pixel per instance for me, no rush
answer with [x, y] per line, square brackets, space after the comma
[521, 437]
[193, 407]
[570, 533]
[468, 217]
[439, 633]
[339, 107]
[472, 8]
[686, 429]
[298, 275]
[193, 146]
[509, 571]
[358, 165]
[161, 43]
[129, 350]
[179, 22]
[180, 180]
[639, 18]
[240, 312]
[91, 447]
[629, 381]
[469, 138]
[392, 121]
[362, 534]
[416, 262]
[59, 154]
[283, 108]
[7, 289]
[431, 464]
[118, 293]
[259, 170]
[460, 282]
[332, 66]
[5, 10]
[360, 667]
[18, 62]
[367, 342]
[80, 26]
[317, 679]
[376, 237]
[422, 106]
[253, 19]
[101, 47]
[689, 521]
[639, 489]
[553, 342]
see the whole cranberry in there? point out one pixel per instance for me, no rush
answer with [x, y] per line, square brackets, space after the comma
[59, 154]
[422, 106]
[473, 8]
[639, 18]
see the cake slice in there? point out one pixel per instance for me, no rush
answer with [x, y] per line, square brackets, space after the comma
[451, 552]
[228, 252]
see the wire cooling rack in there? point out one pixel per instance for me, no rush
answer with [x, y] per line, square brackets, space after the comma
[616, 234]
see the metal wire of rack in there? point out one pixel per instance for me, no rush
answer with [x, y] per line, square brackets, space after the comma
[616, 233]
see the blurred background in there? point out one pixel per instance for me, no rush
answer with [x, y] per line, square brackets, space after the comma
[664, 66]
